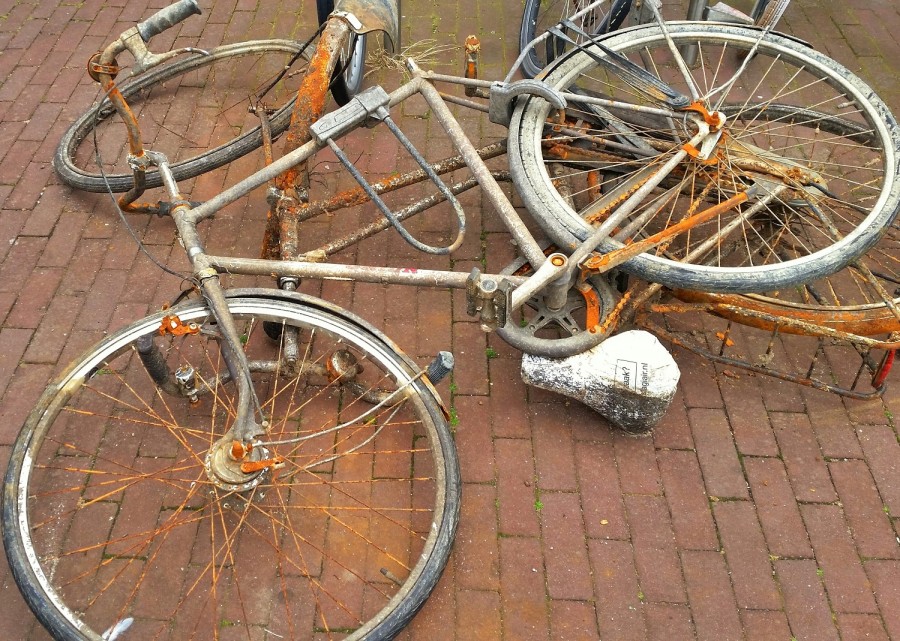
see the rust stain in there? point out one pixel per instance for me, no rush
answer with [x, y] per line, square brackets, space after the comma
[171, 324]
[592, 301]
[722, 336]
[310, 105]
[238, 451]
[472, 47]
[594, 183]
[250, 467]
[619, 256]
[613, 319]
[713, 119]
[135, 145]
[862, 322]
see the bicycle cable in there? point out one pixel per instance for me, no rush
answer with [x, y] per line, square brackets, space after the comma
[353, 421]
[99, 160]
[289, 64]
[338, 70]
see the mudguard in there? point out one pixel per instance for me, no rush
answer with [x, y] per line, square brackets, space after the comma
[373, 15]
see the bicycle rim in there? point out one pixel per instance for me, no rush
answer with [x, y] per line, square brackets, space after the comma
[194, 109]
[791, 111]
[349, 74]
[112, 518]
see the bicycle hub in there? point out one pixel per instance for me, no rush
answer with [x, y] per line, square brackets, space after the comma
[227, 463]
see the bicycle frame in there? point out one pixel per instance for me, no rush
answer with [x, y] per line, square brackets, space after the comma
[489, 295]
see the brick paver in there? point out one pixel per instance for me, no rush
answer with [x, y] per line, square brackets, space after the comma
[757, 510]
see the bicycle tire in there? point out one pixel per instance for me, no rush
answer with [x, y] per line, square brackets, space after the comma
[125, 522]
[859, 128]
[70, 163]
[538, 16]
[348, 76]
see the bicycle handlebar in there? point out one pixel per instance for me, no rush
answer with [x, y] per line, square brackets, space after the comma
[167, 17]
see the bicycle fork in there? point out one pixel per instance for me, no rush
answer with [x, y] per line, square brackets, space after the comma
[232, 463]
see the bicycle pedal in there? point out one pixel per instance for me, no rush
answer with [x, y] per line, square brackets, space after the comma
[488, 300]
[439, 367]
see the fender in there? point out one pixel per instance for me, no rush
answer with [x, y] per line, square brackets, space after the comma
[373, 15]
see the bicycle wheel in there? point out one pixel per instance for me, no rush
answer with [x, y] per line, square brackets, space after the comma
[194, 109]
[348, 75]
[813, 138]
[540, 15]
[115, 511]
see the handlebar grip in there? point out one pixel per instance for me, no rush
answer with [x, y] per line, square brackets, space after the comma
[167, 17]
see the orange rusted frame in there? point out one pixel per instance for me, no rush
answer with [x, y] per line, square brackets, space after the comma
[103, 68]
[280, 236]
[135, 145]
[311, 98]
[746, 315]
[862, 322]
[607, 261]
[563, 151]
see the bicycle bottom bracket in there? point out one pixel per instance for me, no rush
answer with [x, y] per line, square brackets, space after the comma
[224, 469]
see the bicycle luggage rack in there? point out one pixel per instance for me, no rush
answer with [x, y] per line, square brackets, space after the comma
[722, 347]
[370, 107]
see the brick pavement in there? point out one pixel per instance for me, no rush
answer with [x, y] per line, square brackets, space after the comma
[756, 511]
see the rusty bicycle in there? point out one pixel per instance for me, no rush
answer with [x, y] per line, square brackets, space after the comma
[857, 317]
[276, 467]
